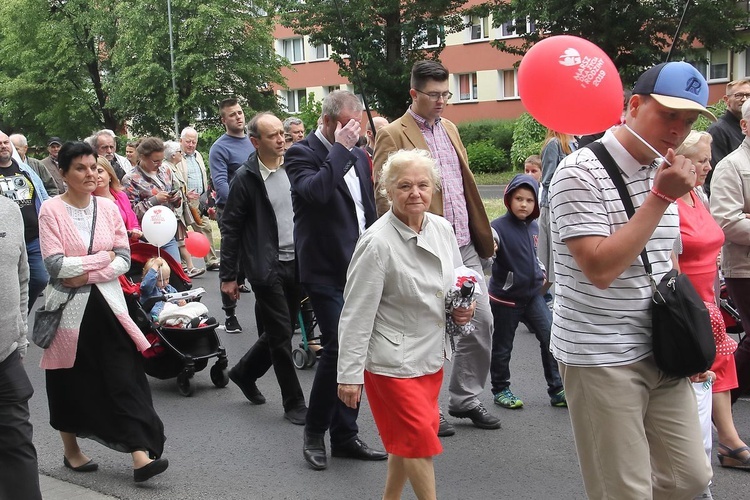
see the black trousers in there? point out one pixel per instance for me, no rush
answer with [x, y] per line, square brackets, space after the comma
[19, 472]
[278, 305]
[228, 304]
[739, 290]
[326, 411]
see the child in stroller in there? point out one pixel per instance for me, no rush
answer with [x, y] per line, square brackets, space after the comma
[155, 298]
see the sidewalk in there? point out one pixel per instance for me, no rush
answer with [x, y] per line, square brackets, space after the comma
[54, 489]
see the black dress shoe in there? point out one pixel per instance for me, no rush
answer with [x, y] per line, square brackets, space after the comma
[296, 415]
[251, 391]
[356, 448]
[479, 416]
[148, 471]
[314, 451]
[89, 466]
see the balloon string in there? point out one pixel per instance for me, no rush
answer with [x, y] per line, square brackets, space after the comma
[649, 146]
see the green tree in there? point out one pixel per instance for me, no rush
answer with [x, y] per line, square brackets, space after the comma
[635, 34]
[222, 48]
[55, 73]
[310, 111]
[386, 36]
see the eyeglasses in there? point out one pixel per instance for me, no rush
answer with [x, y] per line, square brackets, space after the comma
[435, 96]
[741, 96]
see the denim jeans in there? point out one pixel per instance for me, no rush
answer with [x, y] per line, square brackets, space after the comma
[537, 316]
[325, 409]
[38, 277]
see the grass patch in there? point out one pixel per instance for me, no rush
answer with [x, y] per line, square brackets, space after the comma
[494, 207]
[493, 179]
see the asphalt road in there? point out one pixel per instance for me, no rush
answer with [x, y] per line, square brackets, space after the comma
[220, 446]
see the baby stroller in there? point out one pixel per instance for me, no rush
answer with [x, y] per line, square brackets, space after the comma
[306, 355]
[175, 352]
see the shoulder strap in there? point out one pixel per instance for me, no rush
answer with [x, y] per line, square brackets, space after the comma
[93, 226]
[614, 173]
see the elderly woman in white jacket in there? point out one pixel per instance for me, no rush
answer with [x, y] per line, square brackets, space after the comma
[392, 336]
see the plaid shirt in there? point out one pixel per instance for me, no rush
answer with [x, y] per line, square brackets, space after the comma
[454, 201]
[194, 176]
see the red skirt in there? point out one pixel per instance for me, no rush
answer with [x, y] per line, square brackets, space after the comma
[724, 365]
[406, 413]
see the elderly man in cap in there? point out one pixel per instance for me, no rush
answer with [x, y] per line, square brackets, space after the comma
[636, 429]
[50, 163]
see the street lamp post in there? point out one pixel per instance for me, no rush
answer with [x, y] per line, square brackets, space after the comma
[171, 60]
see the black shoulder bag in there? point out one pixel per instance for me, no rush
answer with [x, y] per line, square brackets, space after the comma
[46, 322]
[682, 337]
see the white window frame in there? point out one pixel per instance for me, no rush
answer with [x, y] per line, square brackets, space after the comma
[473, 95]
[314, 56]
[501, 90]
[439, 37]
[481, 29]
[286, 44]
[293, 100]
[504, 30]
[707, 69]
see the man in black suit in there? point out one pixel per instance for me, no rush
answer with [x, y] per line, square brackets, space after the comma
[333, 201]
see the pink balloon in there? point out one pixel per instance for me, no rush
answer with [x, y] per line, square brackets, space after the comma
[570, 85]
[197, 244]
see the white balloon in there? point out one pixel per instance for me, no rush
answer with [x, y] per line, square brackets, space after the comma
[159, 225]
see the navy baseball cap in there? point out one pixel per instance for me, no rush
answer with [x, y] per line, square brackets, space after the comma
[54, 140]
[675, 85]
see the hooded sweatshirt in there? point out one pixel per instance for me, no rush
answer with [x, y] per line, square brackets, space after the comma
[517, 275]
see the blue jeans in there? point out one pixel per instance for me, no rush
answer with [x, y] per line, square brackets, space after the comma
[325, 409]
[172, 249]
[38, 277]
[537, 316]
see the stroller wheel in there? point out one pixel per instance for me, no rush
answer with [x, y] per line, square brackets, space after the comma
[312, 358]
[184, 385]
[219, 376]
[299, 357]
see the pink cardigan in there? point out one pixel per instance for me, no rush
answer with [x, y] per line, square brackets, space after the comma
[126, 210]
[65, 256]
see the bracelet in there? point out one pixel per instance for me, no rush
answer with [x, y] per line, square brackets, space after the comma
[662, 196]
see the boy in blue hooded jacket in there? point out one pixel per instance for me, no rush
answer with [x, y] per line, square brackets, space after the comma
[514, 289]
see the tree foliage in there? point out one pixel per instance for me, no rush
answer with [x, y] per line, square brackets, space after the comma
[383, 37]
[69, 67]
[635, 34]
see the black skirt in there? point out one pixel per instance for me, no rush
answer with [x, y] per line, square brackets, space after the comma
[105, 395]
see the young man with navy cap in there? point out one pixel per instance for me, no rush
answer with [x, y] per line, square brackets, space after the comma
[636, 429]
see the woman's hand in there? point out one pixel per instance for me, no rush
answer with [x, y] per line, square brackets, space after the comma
[350, 394]
[135, 234]
[702, 377]
[162, 197]
[176, 199]
[462, 315]
[76, 281]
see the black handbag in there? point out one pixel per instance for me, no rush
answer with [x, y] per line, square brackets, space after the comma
[682, 336]
[47, 321]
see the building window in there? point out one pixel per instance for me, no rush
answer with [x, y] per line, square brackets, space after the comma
[715, 66]
[320, 51]
[745, 63]
[292, 49]
[467, 87]
[479, 28]
[433, 37]
[332, 88]
[508, 84]
[294, 99]
[517, 27]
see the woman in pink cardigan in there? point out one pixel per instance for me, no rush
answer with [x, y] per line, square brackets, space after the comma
[108, 186]
[96, 386]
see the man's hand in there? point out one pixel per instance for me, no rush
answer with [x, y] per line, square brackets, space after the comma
[350, 394]
[676, 179]
[193, 195]
[231, 289]
[348, 135]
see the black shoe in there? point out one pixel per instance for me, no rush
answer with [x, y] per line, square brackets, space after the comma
[296, 415]
[251, 391]
[479, 416]
[231, 325]
[89, 466]
[213, 267]
[148, 471]
[314, 451]
[446, 428]
[356, 448]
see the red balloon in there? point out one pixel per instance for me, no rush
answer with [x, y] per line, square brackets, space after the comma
[570, 85]
[197, 244]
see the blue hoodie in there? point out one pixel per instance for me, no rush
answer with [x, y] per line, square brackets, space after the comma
[517, 275]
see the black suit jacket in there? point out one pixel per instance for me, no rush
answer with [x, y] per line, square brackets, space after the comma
[325, 219]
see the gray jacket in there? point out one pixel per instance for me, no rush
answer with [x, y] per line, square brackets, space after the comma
[14, 274]
[730, 207]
